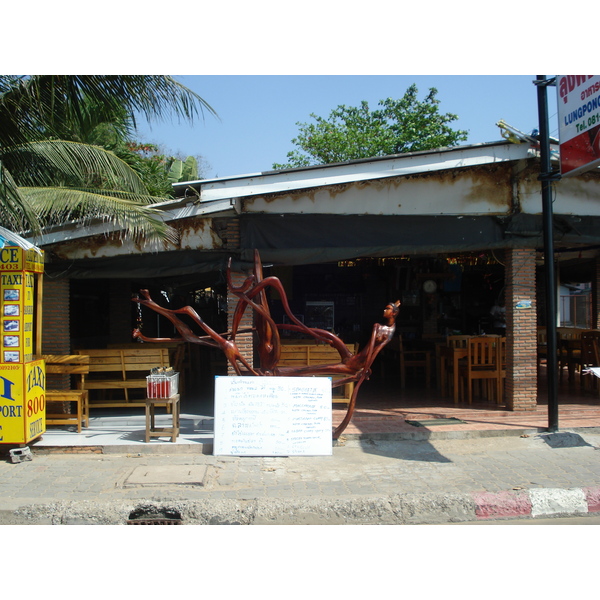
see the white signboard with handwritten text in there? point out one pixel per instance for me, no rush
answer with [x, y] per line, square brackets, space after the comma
[272, 416]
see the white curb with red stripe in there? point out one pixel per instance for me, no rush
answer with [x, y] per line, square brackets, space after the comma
[536, 502]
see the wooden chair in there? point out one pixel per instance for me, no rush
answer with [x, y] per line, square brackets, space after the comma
[301, 353]
[68, 365]
[414, 359]
[482, 364]
[452, 341]
[502, 368]
[569, 351]
[590, 357]
[458, 341]
[542, 347]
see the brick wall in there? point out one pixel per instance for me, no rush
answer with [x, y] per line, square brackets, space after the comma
[232, 235]
[521, 342]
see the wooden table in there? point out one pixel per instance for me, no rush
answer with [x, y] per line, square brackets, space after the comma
[151, 429]
[454, 355]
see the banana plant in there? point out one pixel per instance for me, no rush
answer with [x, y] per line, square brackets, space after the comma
[183, 170]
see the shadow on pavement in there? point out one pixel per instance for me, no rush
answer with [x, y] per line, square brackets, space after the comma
[564, 440]
[414, 450]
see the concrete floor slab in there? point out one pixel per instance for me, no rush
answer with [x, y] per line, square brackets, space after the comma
[146, 475]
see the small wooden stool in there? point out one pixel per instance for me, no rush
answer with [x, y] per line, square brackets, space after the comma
[173, 407]
[81, 418]
[68, 365]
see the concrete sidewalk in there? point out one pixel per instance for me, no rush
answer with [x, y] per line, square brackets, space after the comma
[364, 481]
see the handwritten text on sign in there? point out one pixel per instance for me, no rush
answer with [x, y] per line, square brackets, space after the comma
[272, 416]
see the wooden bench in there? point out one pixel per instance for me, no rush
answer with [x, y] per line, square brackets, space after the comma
[177, 356]
[67, 364]
[121, 370]
[299, 354]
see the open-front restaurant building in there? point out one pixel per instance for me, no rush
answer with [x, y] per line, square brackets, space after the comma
[455, 234]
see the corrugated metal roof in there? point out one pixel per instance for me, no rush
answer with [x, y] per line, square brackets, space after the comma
[221, 196]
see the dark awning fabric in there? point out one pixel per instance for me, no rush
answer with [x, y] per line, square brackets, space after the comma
[312, 239]
[307, 239]
[140, 266]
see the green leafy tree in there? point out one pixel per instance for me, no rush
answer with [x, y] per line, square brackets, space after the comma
[54, 161]
[116, 132]
[350, 133]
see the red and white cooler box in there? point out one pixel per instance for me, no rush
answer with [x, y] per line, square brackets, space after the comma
[162, 385]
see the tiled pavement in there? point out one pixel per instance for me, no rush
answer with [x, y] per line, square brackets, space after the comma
[381, 411]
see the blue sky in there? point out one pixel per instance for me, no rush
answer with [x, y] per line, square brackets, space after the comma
[266, 65]
[259, 113]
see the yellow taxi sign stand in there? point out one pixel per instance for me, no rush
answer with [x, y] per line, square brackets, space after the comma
[22, 378]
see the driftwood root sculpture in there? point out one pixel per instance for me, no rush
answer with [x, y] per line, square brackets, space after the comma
[251, 295]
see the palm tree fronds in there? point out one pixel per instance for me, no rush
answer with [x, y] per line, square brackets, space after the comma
[59, 138]
[56, 206]
[47, 162]
[15, 211]
[45, 105]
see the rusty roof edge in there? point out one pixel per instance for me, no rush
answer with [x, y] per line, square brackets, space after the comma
[377, 168]
[197, 209]
[75, 230]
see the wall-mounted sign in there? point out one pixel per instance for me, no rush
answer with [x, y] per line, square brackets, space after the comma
[522, 304]
[579, 122]
[17, 291]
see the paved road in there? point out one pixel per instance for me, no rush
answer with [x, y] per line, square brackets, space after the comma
[373, 481]
[587, 520]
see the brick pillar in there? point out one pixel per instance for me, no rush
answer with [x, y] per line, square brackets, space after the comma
[244, 341]
[521, 330]
[56, 333]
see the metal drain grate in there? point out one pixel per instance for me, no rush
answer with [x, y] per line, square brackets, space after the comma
[151, 515]
[154, 522]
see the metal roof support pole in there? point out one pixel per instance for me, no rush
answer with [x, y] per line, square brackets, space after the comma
[546, 177]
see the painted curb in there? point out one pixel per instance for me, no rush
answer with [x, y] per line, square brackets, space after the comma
[398, 509]
[536, 502]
